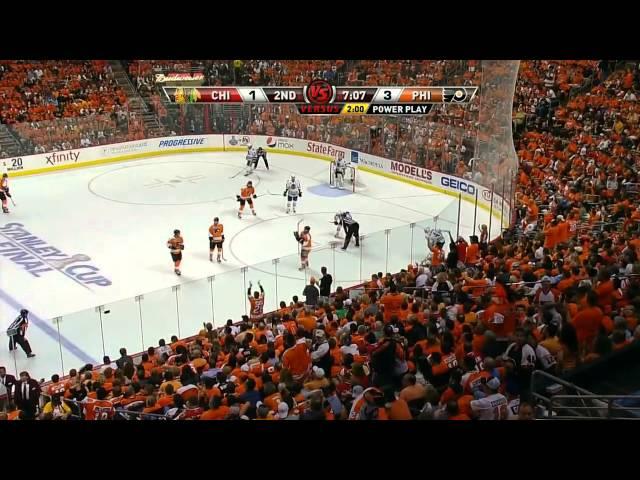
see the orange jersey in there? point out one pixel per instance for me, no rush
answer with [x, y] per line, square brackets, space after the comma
[57, 388]
[306, 241]
[99, 410]
[247, 192]
[176, 244]
[297, 359]
[257, 305]
[216, 231]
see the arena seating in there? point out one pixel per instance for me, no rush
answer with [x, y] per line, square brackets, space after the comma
[67, 99]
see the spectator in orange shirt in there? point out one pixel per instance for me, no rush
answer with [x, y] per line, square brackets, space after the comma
[392, 303]
[588, 321]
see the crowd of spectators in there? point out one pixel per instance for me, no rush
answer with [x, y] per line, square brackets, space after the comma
[62, 104]
[457, 339]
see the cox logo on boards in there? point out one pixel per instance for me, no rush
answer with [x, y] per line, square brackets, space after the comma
[412, 171]
[243, 140]
[284, 144]
[456, 184]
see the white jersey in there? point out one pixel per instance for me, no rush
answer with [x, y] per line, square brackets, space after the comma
[252, 154]
[492, 407]
[293, 188]
[341, 165]
[513, 407]
[433, 236]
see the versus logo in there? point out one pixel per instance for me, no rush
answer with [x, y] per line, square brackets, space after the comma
[486, 194]
[38, 258]
[181, 142]
[244, 140]
[412, 170]
[458, 185]
[271, 142]
[325, 150]
[56, 157]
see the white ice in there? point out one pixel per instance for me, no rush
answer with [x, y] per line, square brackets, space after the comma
[121, 215]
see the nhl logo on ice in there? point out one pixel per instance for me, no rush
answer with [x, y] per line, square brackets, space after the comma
[319, 92]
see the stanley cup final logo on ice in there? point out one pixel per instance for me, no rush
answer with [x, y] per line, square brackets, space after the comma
[37, 257]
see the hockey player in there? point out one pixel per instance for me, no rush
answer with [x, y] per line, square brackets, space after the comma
[351, 228]
[4, 192]
[247, 194]
[304, 239]
[176, 245]
[292, 191]
[262, 153]
[257, 303]
[252, 159]
[216, 238]
[340, 169]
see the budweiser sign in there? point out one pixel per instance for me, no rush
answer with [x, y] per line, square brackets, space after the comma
[179, 77]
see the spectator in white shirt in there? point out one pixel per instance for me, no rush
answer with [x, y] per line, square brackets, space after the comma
[493, 406]
[423, 278]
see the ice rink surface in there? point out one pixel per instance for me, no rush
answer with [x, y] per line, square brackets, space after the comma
[94, 236]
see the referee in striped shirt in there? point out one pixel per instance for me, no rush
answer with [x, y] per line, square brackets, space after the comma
[351, 228]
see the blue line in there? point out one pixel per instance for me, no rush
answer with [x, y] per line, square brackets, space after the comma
[49, 330]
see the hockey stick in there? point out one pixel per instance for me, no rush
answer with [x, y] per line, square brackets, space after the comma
[268, 193]
[238, 173]
[14, 203]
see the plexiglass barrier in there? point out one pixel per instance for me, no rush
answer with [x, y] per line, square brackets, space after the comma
[136, 323]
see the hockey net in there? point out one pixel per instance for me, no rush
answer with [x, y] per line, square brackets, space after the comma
[351, 180]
